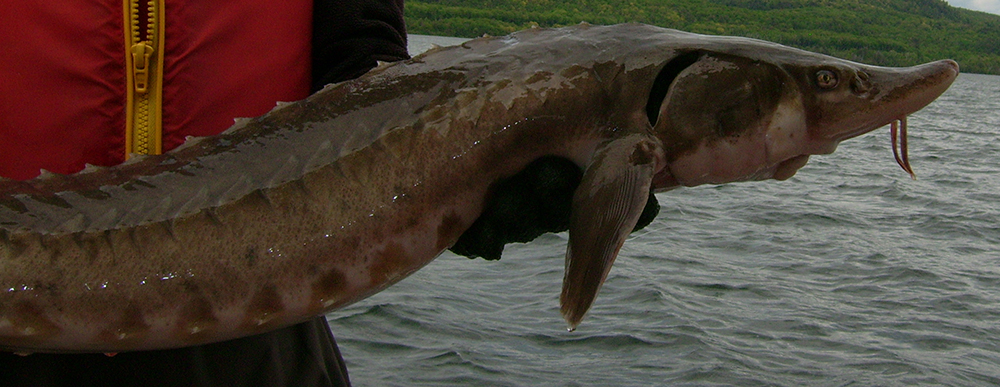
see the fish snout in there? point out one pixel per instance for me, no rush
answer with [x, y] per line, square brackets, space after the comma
[882, 95]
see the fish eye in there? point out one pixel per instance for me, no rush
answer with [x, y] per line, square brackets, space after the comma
[826, 79]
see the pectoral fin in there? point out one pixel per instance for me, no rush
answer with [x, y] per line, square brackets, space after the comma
[606, 206]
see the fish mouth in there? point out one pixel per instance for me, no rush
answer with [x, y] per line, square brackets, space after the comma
[787, 168]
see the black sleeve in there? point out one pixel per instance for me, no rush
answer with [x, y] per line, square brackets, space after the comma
[349, 36]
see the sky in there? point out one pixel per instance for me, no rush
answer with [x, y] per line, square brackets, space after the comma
[991, 6]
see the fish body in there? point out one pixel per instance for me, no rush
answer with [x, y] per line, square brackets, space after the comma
[325, 201]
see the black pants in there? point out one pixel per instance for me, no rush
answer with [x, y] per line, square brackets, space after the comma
[300, 355]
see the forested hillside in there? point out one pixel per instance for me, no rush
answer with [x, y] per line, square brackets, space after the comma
[884, 32]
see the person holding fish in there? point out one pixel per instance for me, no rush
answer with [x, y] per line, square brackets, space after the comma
[94, 83]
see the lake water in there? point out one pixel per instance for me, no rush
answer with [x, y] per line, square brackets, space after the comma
[848, 274]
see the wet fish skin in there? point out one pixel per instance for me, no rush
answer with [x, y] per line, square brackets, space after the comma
[328, 200]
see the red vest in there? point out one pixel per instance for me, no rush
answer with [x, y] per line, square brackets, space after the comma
[64, 81]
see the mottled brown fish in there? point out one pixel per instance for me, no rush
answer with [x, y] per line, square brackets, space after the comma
[325, 201]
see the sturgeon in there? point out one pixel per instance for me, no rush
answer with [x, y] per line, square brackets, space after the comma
[323, 202]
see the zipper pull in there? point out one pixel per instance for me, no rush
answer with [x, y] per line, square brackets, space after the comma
[141, 52]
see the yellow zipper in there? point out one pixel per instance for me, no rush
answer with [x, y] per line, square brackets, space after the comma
[143, 64]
